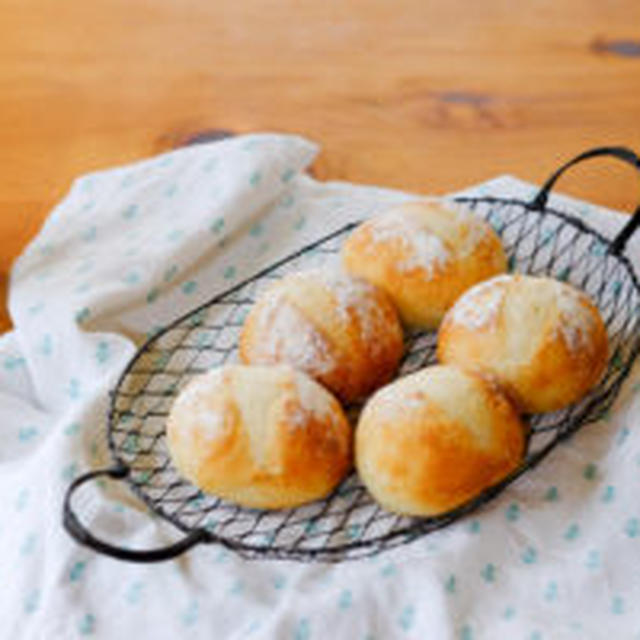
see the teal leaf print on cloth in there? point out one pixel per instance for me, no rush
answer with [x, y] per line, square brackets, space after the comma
[450, 584]
[152, 295]
[237, 588]
[22, 499]
[509, 613]
[302, 630]
[175, 235]
[552, 494]
[90, 234]
[32, 601]
[287, 201]
[189, 287]
[617, 606]
[253, 627]
[217, 226]
[134, 592]
[632, 528]
[35, 309]
[27, 434]
[488, 573]
[87, 625]
[132, 278]
[388, 570]
[572, 532]
[474, 526]
[82, 315]
[622, 436]
[72, 429]
[345, 600]
[127, 181]
[551, 592]
[170, 273]
[256, 230]
[255, 178]
[609, 494]
[590, 471]
[46, 345]
[69, 472]
[28, 544]
[77, 571]
[130, 212]
[466, 633]
[513, 512]
[103, 352]
[12, 362]
[73, 389]
[83, 287]
[529, 555]
[593, 559]
[190, 615]
[407, 616]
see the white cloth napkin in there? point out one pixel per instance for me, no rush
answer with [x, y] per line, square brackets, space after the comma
[555, 556]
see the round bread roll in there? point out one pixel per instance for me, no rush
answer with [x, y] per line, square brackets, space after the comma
[424, 255]
[432, 440]
[543, 340]
[263, 437]
[343, 332]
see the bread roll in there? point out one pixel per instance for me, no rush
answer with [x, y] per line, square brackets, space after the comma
[424, 255]
[432, 440]
[264, 437]
[342, 331]
[543, 340]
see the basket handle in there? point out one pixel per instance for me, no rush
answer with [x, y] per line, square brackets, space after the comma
[622, 153]
[82, 535]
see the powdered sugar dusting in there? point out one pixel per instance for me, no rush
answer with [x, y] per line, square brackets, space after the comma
[289, 336]
[313, 399]
[576, 322]
[196, 399]
[393, 402]
[425, 249]
[476, 229]
[353, 296]
[480, 305]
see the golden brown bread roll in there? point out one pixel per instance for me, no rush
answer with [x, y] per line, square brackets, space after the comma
[432, 440]
[342, 331]
[424, 255]
[265, 437]
[543, 340]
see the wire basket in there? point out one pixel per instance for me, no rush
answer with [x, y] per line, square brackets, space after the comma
[349, 524]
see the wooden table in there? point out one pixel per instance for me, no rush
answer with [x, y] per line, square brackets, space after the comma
[427, 95]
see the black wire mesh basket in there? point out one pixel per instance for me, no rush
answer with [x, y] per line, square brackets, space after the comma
[349, 524]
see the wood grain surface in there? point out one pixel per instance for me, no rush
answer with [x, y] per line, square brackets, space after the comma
[420, 94]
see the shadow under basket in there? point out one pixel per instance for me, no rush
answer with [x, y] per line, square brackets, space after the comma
[349, 524]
